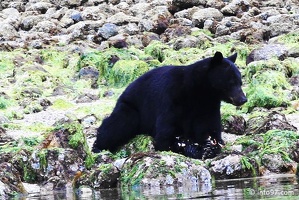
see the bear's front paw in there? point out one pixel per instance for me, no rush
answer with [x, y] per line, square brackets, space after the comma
[211, 149]
[95, 150]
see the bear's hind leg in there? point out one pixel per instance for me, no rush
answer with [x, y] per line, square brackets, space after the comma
[116, 130]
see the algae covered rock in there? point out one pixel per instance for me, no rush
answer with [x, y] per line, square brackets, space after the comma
[160, 169]
[268, 84]
[10, 182]
[105, 175]
[57, 159]
[233, 166]
[273, 151]
[232, 120]
[265, 122]
[126, 71]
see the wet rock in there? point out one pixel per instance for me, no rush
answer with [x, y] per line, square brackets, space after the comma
[147, 37]
[32, 107]
[68, 3]
[176, 31]
[236, 7]
[88, 121]
[188, 42]
[60, 90]
[281, 24]
[275, 163]
[31, 92]
[108, 93]
[118, 41]
[47, 27]
[3, 119]
[104, 176]
[45, 103]
[107, 30]
[262, 124]
[28, 22]
[267, 52]
[10, 182]
[122, 18]
[7, 31]
[88, 73]
[154, 170]
[232, 166]
[86, 98]
[77, 17]
[295, 152]
[58, 159]
[40, 7]
[139, 9]
[4, 138]
[235, 125]
[181, 4]
[200, 16]
[95, 13]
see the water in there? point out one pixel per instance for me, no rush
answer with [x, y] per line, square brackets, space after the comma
[271, 187]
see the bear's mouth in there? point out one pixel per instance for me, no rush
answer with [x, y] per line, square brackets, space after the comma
[238, 101]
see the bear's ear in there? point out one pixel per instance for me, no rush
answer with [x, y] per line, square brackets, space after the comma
[233, 57]
[218, 57]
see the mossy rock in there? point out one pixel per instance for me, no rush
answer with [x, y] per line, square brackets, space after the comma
[183, 56]
[33, 107]
[105, 61]
[266, 97]
[4, 103]
[261, 66]
[165, 168]
[232, 119]
[157, 50]
[126, 71]
[268, 89]
[105, 175]
[273, 142]
[139, 144]
[62, 104]
[289, 38]
[229, 48]
[56, 58]
[291, 64]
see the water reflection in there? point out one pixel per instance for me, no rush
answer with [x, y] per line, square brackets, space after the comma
[271, 187]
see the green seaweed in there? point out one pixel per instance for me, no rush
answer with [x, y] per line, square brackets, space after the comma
[78, 138]
[272, 142]
[126, 71]
[4, 103]
[246, 164]
[157, 50]
[62, 104]
[268, 89]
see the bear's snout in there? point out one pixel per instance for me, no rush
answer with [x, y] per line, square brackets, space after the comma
[239, 101]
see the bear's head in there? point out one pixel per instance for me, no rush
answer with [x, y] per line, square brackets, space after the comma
[225, 79]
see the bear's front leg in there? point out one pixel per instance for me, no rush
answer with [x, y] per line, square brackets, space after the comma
[213, 127]
[165, 134]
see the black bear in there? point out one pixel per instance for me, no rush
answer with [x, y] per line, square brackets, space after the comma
[174, 101]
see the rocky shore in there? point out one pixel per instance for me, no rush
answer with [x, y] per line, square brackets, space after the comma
[99, 24]
[63, 64]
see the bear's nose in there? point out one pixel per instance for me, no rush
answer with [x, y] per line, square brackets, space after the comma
[240, 101]
[243, 100]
